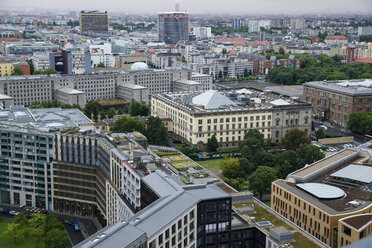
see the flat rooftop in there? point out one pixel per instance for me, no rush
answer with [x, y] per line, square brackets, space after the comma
[358, 221]
[347, 87]
[228, 101]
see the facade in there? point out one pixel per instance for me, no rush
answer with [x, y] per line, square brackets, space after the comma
[197, 117]
[71, 96]
[127, 61]
[184, 85]
[205, 80]
[228, 69]
[173, 27]
[133, 91]
[40, 61]
[335, 101]
[94, 22]
[202, 32]
[6, 68]
[103, 85]
[253, 26]
[236, 24]
[329, 198]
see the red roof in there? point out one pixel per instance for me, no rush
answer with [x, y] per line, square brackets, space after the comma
[364, 60]
[234, 41]
[233, 52]
[8, 38]
[138, 53]
[261, 42]
[336, 37]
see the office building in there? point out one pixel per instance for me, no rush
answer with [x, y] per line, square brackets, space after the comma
[202, 32]
[253, 26]
[40, 61]
[173, 27]
[365, 30]
[229, 115]
[334, 101]
[93, 22]
[6, 68]
[330, 198]
[26, 90]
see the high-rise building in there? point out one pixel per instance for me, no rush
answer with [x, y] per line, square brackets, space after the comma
[236, 24]
[93, 22]
[173, 27]
[253, 26]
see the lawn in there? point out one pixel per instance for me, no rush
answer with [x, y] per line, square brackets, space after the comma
[5, 241]
[213, 165]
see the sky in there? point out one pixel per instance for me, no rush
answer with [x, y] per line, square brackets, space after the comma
[249, 7]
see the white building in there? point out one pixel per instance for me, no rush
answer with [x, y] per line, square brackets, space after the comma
[253, 26]
[40, 61]
[202, 32]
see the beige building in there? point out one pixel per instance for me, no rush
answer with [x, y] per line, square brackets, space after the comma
[6, 68]
[229, 115]
[126, 61]
[326, 197]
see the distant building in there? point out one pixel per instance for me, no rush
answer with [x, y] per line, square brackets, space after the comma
[236, 24]
[351, 54]
[297, 23]
[40, 61]
[335, 39]
[253, 26]
[6, 68]
[70, 61]
[173, 27]
[94, 22]
[202, 32]
[364, 30]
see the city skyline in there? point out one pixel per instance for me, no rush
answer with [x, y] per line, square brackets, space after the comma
[206, 7]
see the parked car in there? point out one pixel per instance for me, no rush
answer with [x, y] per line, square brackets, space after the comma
[5, 211]
[14, 213]
[76, 226]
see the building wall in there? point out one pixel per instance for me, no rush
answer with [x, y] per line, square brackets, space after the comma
[348, 234]
[230, 127]
[178, 233]
[309, 217]
[94, 23]
[336, 107]
[205, 80]
[6, 69]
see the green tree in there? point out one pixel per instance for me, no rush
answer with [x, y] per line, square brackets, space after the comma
[111, 113]
[20, 219]
[320, 134]
[91, 108]
[260, 181]
[137, 108]
[17, 71]
[231, 168]
[15, 232]
[128, 124]
[50, 71]
[101, 65]
[360, 122]
[294, 138]
[308, 154]
[212, 144]
[157, 134]
[57, 239]
[220, 75]
[103, 115]
[281, 51]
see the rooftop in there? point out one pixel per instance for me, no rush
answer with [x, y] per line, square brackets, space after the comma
[347, 87]
[358, 221]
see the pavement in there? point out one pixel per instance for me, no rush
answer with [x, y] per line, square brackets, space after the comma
[340, 131]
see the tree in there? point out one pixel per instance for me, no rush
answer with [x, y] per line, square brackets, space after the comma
[137, 108]
[220, 75]
[15, 231]
[17, 71]
[320, 134]
[91, 107]
[294, 138]
[281, 51]
[231, 168]
[308, 154]
[111, 113]
[224, 51]
[21, 219]
[57, 239]
[212, 144]
[101, 65]
[128, 124]
[50, 71]
[157, 134]
[260, 181]
[360, 122]
[246, 74]
[103, 115]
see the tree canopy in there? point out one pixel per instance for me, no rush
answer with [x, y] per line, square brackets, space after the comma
[17, 71]
[128, 124]
[360, 122]
[137, 108]
[260, 180]
[157, 134]
[294, 138]
[212, 144]
[326, 68]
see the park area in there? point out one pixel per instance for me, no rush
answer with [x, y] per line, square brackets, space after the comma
[8, 241]
[213, 165]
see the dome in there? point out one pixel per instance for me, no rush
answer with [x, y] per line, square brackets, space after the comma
[139, 66]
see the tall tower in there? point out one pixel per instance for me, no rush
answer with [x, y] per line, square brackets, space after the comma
[94, 22]
[173, 27]
[177, 7]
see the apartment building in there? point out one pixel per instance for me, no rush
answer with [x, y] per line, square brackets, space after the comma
[6, 68]
[227, 69]
[330, 198]
[40, 61]
[204, 79]
[334, 101]
[229, 115]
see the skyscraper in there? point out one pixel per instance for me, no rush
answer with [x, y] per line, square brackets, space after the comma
[93, 22]
[173, 27]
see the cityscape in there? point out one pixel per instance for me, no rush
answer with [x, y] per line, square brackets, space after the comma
[184, 124]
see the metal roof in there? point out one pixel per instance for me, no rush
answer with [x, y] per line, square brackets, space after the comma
[321, 191]
[360, 173]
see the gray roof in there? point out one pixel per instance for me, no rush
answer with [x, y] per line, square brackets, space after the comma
[212, 99]
[321, 190]
[348, 87]
[161, 183]
[360, 173]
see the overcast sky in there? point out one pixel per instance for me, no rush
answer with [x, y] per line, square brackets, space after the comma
[249, 7]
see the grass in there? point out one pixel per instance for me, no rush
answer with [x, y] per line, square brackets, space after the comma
[214, 165]
[262, 214]
[6, 241]
[302, 241]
